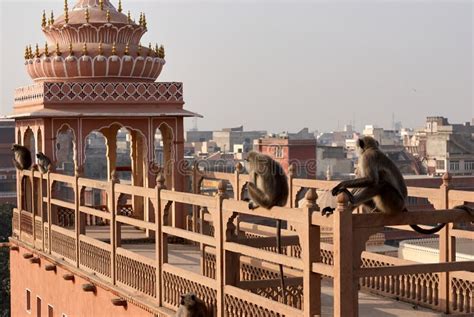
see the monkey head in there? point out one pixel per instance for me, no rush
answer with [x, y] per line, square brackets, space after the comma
[367, 142]
[189, 300]
[15, 147]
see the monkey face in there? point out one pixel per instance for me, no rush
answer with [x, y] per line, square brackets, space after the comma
[14, 147]
[188, 300]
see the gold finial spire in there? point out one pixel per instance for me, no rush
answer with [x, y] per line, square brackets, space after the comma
[30, 51]
[84, 49]
[58, 52]
[161, 52]
[120, 6]
[101, 4]
[144, 20]
[66, 12]
[46, 49]
[52, 17]
[139, 49]
[37, 51]
[150, 49]
[27, 53]
[87, 15]
[156, 49]
[126, 49]
[107, 15]
[140, 21]
[43, 19]
[129, 18]
[114, 49]
[71, 52]
[101, 51]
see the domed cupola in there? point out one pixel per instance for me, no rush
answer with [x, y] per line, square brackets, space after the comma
[94, 41]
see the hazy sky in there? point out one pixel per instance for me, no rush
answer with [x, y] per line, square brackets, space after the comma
[284, 65]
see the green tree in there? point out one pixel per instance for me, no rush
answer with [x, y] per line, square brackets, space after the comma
[6, 212]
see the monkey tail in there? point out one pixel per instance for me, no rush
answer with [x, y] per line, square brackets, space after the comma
[428, 231]
[282, 277]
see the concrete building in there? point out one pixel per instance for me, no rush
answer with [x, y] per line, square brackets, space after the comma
[198, 136]
[7, 169]
[332, 163]
[337, 138]
[384, 137]
[300, 153]
[449, 147]
[227, 138]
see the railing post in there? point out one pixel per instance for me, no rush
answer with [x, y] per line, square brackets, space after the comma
[159, 249]
[113, 226]
[50, 221]
[344, 291]
[40, 194]
[238, 170]
[311, 253]
[77, 214]
[33, 209]
[447, 251]
[291, 175]
[219, 235]
[195, 191]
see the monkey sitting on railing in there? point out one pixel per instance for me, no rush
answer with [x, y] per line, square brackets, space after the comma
[192, 306]
[22, 157]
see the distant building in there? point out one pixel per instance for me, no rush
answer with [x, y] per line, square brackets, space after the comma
[449, 147]
[198, 136]
[332, 162]
[384, 137]
[7, 169]
[227, 138]
[287, 151]
[337, 138]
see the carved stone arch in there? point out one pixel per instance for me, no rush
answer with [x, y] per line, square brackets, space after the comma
[19, 140]
[168, 152]
[30, 143]
[65, 149]
[39, 140]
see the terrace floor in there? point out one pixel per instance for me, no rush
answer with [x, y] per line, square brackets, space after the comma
[187, 257]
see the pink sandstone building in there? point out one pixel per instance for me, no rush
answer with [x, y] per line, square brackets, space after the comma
[130, 241]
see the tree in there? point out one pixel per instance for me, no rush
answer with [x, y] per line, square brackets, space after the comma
[6, 212]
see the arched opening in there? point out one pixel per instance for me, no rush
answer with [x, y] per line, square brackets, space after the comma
[30, 143]
[123, 165]
[39, 141]
[65, 151]
[18, 137]
[95, 163]
[163, 153]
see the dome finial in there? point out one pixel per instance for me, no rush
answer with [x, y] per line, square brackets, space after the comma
[58, 52]
[107, 15]
[139, 49]
[114, 49]
[71, 52]
[101, 4]
[37, 51]
[150, 49]
[129, 18]
[84, 49]
[161, 52]
[46, 50]
[120, 6]
[156, 49]
[140, 21]
[101, 51]
[66, 12]
[52, 17]
[87, 15]
[144, 20]
[30, 51]
[126, 48]
[43, 19]
[27, 53]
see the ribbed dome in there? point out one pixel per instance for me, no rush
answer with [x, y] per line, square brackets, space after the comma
[96, 42]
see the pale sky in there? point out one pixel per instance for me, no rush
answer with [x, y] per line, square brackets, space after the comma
[285, 65]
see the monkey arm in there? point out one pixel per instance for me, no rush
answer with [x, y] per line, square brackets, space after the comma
[18, 166]
[259, 198]
[354, 183]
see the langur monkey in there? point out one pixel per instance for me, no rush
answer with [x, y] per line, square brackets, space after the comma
[379, 184]
[43, 162]
[22, 157]
[268, 187]
[192, 306]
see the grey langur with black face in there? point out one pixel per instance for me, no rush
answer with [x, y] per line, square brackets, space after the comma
[22, 157]
[44, 163]
[379, 184]
[192, 306]
[268, 187]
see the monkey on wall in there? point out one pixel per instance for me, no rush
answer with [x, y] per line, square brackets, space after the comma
[43, 162]
[268, 187]
[379, 184]
[21, 157]
[192, 306]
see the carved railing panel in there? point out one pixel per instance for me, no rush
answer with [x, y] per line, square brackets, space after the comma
[236, 307]
[95, 257]
[174, 286]
[26, 223]
[462, 292]
[63, 244]
[38, 231]
[136, 272]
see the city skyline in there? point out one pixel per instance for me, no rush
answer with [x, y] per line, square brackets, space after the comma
[336, 63]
